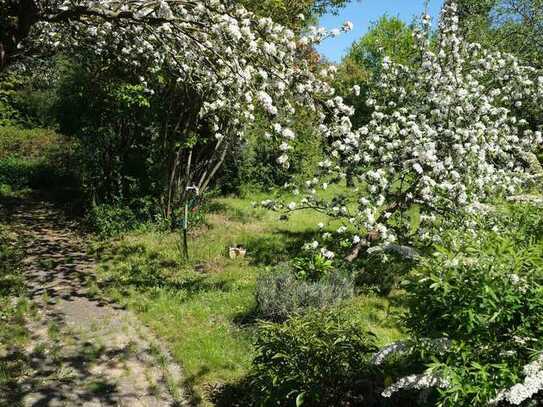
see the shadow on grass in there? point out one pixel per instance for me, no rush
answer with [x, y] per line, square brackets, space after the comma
[47, 376]
[137, 267]
[216, 207]
[239, 394]
[248, 318]
[277, 247]
[190, 385]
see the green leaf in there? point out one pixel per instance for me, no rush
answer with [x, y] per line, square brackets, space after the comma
[414, 218]
[300, 399]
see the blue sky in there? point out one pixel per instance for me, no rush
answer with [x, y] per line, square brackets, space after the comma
[362, 13]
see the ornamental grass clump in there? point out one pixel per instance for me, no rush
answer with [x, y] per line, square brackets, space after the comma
[281, 294]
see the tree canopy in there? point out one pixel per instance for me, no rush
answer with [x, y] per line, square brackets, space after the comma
[288, 12]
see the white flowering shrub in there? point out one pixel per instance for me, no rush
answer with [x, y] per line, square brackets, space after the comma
[214, 66]
[482, 301]
[446, 132]
[235, 62]
[527, 389]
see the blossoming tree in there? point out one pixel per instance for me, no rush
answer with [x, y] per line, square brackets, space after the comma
[445, 134]
[230, 62]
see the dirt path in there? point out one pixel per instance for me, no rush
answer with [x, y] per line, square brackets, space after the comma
[84, 351]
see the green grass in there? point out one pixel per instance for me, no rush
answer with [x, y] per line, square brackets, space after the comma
[203, 308]
[37, 159]
[14, 309]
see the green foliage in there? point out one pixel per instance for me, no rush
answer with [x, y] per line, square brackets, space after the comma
[482, 307]
[350, 73]
[486, 297]
[8, 113]
[319, 359]
[280, 294]
[37, 158]
[514, 26]
[382, 272]
[110, 119]
[253, 166]
[26, 98]
[111, 220]
[108, 220]
[286, 11]
[390, 37]
[312, 268]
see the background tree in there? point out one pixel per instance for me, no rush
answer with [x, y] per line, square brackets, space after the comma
[361, 68]
[162, 92]
[287, 12]
[389, 36]
[514, 26]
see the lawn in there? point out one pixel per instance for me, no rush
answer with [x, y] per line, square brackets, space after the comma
[204, 308]
[14, 310]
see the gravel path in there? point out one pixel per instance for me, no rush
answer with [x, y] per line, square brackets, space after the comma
[84, 351]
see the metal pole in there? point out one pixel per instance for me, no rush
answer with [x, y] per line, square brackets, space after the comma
[185, 228]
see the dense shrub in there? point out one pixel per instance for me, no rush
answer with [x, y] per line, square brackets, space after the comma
[138, 146]
[27, 95]
[486, 298]
[37, 158]
[110, 119]
[320, 359]
[281, 294]
[9, 113]
[111, 220]
[253, 166]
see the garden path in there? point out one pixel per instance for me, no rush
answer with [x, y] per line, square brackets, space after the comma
[84, 350]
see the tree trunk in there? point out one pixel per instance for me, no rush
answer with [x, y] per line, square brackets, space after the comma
[350, 179]
[172, 183]
[15, 27]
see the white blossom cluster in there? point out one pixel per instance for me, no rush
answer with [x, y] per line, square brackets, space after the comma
[403, 347]
[444, 134]
[397, 347]
[520, 392]
[531, 199]
[235, 61]
[415, 382]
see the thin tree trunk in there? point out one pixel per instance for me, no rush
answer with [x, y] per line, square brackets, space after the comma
[21, 16]
[172, 182]
[208, 163]
[219, 163]
[185, 195]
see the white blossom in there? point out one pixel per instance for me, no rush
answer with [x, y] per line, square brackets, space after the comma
[415, 382]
